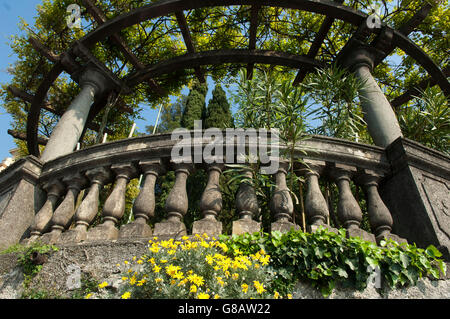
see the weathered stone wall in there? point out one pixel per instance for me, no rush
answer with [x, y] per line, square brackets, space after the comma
[98, 261]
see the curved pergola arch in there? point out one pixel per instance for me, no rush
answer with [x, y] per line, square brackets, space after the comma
[327, 8]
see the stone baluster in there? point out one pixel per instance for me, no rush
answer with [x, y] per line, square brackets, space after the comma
[210, 204]
[247, 208]
[114, 207]
[42, 219]
[144, 205]
[316, 207]
[348, 210]
[281, 203]
[88, 208]
[176, 205]
[380, 218]
[62, 217]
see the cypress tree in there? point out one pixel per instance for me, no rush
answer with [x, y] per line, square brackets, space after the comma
[195, 105]
[218, 113]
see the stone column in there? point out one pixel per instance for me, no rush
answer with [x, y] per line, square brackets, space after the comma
[316, 207]
[62, 217]
[114, 207]
[88, 208]
[67, 132]
[176, 205]
[210, 204]
[380, 117]
[144, 205]
[281, 203]
[247, 208]
[348, 210]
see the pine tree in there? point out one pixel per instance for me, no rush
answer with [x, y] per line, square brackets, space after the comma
[195, 105]
[218, 113]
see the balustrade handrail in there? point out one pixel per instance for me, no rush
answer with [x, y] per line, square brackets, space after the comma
[118, 162]
[159, 146]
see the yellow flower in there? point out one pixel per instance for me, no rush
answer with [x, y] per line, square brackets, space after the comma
[162, 261]
[126, 295]
[89, 295]
[126, 262]
[235, 276]
[103, 284]
[171, 251]
[289, 296]
[132, 280]
[154, 248]
[204, 244]
[193, 289]
[220, 281]
[140, 261]
[244, 288]
[276, 295]
[124, 278]
[156, 268]
[216, 296]
[196, 279]
[158, 280]
[259, 287]
[264, 260]
[141, 282]
[209, 259]
[184, 238]
[202, 295]
[151, 260]
[171, 270]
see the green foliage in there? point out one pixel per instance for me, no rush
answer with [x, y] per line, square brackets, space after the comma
[195, 108]
[324, 258]
[218, 113]
[25, 258]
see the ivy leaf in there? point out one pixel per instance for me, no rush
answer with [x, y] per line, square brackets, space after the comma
[433, 251]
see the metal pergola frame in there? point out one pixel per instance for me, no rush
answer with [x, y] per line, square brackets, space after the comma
[332, 10]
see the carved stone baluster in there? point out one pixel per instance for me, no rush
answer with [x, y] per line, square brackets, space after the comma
[281, 203]
[348, 210]
[114, 207]
[42, 219]
[210, 204]
[316, 207]
[144, 205]
[176, 205]
[63, 215]
[380, 218]
[88, 208]
[247, 208]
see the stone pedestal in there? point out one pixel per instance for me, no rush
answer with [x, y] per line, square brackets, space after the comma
[314, 228]
[102, 232]
[20, 198]
[242, 226]
[283, 226]
[135, 230]
[170, 229]
[211, 227]
[418, 194]
[73, 236]
[358, 232]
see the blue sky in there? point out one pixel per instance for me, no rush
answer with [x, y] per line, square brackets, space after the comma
[10, 13]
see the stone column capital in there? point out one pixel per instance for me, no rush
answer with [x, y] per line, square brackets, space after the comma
[95, 78]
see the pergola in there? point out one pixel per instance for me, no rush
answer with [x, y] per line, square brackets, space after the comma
[97, 81]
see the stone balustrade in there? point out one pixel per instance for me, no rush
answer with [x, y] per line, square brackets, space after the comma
[61, 220]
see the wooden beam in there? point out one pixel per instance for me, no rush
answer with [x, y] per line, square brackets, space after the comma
[415, 89]
[182, 23]
[100, 18]
[23, 137]
[26, 97]
[315, 46]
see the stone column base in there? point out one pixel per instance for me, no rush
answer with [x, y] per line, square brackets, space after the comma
[73, 236]
[283, 226]
[358, 232]
[170, 229]
[210, 227]
[135, 230]
[102, 232]
[51, 237]
[314, 228]
[394, 237]
[242, 226]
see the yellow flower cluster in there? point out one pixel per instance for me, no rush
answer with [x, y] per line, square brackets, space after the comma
[195, 267]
